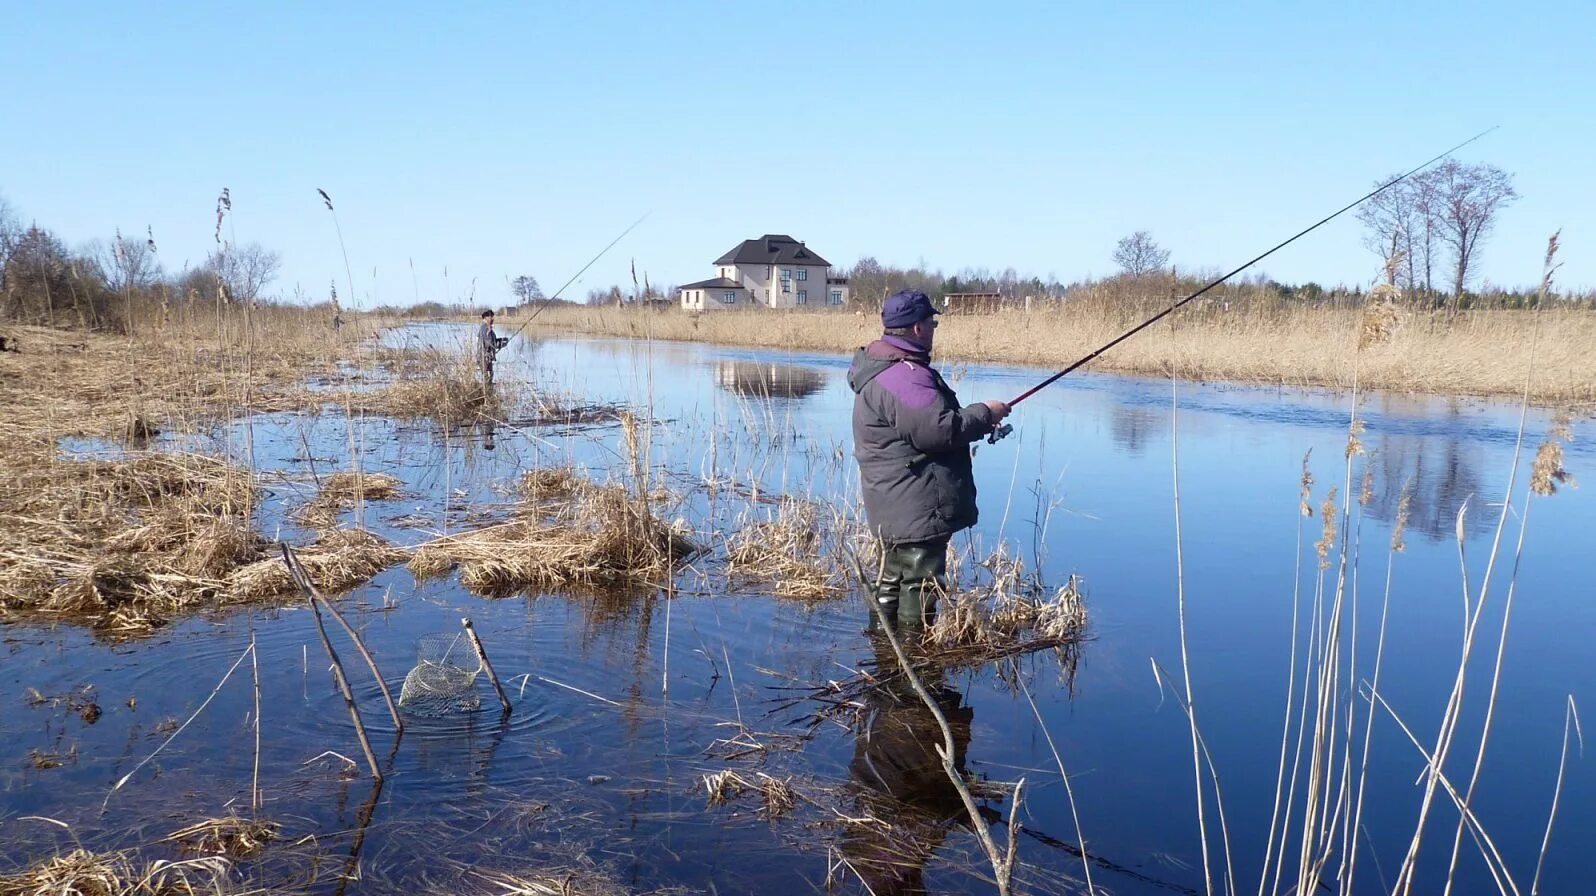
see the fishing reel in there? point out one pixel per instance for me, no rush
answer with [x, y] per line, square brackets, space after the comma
[1001, 432]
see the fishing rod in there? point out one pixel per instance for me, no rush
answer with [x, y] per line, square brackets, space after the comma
[548, 300]
[1006, 429]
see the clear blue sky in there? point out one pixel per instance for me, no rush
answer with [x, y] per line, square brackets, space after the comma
[502, 139]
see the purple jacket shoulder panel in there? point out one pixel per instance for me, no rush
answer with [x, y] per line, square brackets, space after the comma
[911, 383]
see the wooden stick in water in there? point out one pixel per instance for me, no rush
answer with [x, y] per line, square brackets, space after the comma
[298, 574]
[482, 655]
[387, 696]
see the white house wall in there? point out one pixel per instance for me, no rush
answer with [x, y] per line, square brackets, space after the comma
[815, 284]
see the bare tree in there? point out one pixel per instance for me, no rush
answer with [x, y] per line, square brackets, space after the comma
[1467, 199]
[10, 235]
[526, 289]
[1138, 256]
[244, 270]
[125, 263]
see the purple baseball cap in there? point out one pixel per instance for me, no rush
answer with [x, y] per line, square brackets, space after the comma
[905, 308]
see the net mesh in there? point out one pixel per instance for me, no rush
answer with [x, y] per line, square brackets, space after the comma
[444, 679]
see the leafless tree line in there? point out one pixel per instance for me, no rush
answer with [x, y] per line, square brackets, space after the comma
[42, 280]
[1434, 223]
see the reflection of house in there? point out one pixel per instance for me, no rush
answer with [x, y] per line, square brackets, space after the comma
[760, 380]
[773, 271]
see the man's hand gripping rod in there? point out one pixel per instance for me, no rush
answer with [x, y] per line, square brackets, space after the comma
[1005, 429]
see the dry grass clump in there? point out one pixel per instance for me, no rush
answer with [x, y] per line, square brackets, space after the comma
[84, 873]
[603, 538]
[230, 836]
[549, 484]
[339, 560]
[123, 543]
[551, 882]
[778, 795]
[446, 400]
[444, 387]
[343, 490]
[1012, 613]
[789, 553]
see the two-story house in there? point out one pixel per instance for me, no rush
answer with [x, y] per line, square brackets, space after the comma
[773, 271]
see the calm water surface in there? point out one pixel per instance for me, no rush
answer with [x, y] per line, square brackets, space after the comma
[613, 777]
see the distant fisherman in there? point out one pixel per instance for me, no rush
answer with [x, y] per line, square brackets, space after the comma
[912, 441]
[488, 345]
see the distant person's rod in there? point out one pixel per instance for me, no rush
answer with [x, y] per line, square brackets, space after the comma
[1171, 309]
[544, 303]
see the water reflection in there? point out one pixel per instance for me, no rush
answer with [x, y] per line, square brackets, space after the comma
[1134, 426]
[1441, 473]
[897, 777]
[761, 380]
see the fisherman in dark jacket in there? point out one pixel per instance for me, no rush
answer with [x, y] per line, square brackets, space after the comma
[488, 345]
[912, 441]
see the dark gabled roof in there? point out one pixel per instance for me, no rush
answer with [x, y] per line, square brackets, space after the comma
[772, 248]
[715, 283]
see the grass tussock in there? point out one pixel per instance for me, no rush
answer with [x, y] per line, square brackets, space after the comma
[1011, 612]
[123, 543]
[446, 400]
[339, 560]
[1482, 352]
[777, 795]
[84, 873]
[230, 836]
[602, 537]
[789, 553]
[443, 387]
[343, 490]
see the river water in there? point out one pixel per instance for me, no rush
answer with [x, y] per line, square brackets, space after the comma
[623, 705]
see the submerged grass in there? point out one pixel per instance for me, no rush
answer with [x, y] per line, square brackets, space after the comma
[84, 873]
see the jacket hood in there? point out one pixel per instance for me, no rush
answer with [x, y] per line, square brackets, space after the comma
[872, 360]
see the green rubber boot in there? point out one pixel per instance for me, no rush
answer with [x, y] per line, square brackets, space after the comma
[885, 591]
[923, 569]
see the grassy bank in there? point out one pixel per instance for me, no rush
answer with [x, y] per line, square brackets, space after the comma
[1476, 353]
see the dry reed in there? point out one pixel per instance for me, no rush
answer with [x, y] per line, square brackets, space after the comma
[1474, 352]
[230, 836]
[346, 489]
[339, 560]
[600, 537]
[123, 543]
[1010, 613]
[790, 553]
[84, 873]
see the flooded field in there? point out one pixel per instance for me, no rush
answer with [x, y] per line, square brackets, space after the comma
[630, 708]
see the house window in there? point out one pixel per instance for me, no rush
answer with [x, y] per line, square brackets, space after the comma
[836, 297]
[803, 296]
[728, 297]
[803, 273]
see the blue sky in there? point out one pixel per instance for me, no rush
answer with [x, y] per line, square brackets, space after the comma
[499, 139]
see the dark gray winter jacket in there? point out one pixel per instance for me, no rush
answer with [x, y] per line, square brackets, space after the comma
[912, 441]
[487, 344]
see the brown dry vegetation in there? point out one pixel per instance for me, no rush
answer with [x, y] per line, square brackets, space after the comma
[128, 542]
[1478, 352]
[796, 553]
[343, 490]
[567, 533]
